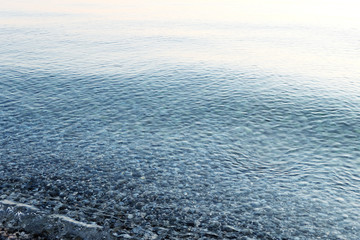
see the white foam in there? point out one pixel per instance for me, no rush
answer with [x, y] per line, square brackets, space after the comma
[9, 202]
[67, 219]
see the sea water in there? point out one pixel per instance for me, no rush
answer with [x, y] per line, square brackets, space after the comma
[174, 119]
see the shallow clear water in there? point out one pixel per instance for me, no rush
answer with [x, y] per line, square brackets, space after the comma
[180, 120]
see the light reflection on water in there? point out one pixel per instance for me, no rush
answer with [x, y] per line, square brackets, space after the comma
[212, 119]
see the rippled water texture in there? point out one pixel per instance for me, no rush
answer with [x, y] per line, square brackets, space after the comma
[173, 119]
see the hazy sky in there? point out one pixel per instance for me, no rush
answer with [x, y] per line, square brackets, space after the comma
[328, 12]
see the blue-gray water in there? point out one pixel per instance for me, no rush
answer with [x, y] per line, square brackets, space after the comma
[157, 124]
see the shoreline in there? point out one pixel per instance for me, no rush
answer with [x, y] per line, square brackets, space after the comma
[6, 234]
[25, 222]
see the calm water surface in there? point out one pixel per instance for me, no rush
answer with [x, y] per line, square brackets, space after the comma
[173, 119]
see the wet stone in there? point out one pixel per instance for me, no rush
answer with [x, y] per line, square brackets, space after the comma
[125, 236]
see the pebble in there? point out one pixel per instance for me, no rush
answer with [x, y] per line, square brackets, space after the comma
[125, 236]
